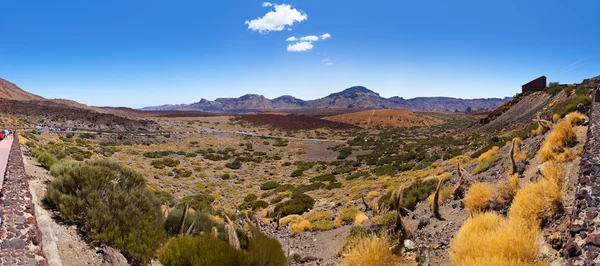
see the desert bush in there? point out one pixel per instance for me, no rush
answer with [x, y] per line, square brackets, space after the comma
[206, 250]
[269, 185]
[203, 224]
[277, 199]
[298, 172]
[323, 178]
[385, 170]
[46, 159]
[536, 201]
[87, 136]
[413, 194]
[477, 198]
[369, 251]
[311, 187]
[250, 197]
[235, 164]
[297, 204]
[182, 172]
[318, 215]
[199, 202]
[333, 185]
[254, 205]
[357, 175]
[111, 204]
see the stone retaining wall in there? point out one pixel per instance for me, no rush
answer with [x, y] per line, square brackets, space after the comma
[20, 237]
[583, 244]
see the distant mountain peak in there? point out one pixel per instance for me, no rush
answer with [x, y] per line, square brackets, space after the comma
[358, 89]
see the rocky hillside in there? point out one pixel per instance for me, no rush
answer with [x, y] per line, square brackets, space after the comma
[10, 91]
[357, 97]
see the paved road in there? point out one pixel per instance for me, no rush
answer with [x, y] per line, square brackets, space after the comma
[5, 145]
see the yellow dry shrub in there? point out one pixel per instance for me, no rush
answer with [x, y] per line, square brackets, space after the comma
[360, 218]
[555, 117]
[553, 171]
[444, 176]
[561, 135]
[478, 197]
[22, 140]
[445, 193]
[374, 194]
[486, 155]
[319, 215]
[290, 219]
[575, 118]
[369, 251]
[506, 189]
[300, 227]
[337, 222]
[535, 202]
[488, 237]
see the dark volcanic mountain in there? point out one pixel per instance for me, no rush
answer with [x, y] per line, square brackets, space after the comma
[355, 97]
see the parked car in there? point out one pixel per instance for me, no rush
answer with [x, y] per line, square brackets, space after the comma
[1, 136]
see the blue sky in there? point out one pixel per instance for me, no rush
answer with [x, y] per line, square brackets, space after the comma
[140, 53]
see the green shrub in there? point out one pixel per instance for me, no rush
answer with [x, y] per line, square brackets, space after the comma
[46, 159]
[416, 192]
[298, 204]
[202, 250]
[200, 202]
[87, 136]
[202, 224]
[323, 178]
[112, 206]
[255, 205]
[236, 164]
[206, 250]
[357, 175]
[269, 185]
[298, 172]
[385, 170]
[333, 185]
[250, 197]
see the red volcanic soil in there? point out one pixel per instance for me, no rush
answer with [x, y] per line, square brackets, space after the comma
[291, 122]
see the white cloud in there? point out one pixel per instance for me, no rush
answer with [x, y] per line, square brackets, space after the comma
[284, 15]
[299, 47]
[325, 36]
[291, 39]
[310, 38]
[327, 61]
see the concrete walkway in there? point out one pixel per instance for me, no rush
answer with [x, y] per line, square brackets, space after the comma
[5, 145]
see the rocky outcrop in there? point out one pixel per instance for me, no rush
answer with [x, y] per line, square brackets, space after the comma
[583, 244]
[20, 236]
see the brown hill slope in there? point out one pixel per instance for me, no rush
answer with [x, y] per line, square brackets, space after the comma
[11, 91]
[385, 118]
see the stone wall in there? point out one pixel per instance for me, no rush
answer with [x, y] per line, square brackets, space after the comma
[583, 244]
[20, 237]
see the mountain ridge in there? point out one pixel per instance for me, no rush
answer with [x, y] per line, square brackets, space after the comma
[356, 97]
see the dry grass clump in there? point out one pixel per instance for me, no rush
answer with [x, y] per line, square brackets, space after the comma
[319, 215]
[322, 225]
[488, 154]
[540, 199]
[557, 140]
[575, 118]
[348, 215]
[374, 194]
[360, 218]
[477, 198]
[300, 227]
[290, 219]
[369, 251]
[488, 237]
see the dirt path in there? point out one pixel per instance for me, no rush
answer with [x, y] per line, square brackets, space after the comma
[321, 245]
